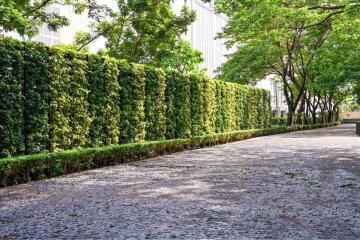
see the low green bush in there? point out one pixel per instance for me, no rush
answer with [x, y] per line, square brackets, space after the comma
[350, 121]
[22, 169]
[278, 121]
[281, 121]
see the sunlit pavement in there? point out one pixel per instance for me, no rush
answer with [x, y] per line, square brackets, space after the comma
[302, 185]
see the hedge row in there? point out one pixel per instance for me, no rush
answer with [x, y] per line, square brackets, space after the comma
[45, 165]
[278, 121]
[282, 120]
[52, 100]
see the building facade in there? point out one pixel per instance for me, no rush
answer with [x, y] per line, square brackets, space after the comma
[277, 98]
[202, 33]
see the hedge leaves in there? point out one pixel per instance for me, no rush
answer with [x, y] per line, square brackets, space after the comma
[52, 100]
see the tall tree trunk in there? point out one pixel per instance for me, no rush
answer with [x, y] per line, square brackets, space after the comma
[330, 110]
[289, 116]
[330, 116]
[289, 101]
[301, 110]
[307, 114]
[313, 115]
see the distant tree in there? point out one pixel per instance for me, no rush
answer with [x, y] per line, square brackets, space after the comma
[283, 38]
[336, 71]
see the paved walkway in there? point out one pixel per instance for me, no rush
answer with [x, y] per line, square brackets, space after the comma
[302, 185]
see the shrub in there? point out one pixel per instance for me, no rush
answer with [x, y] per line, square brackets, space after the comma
[104, 90]
[278, 121]
[178, 122]
[132, 99]
[69, 107]
[36, 98]
[155, 105]
[11, 98]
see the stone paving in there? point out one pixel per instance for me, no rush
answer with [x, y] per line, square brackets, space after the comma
[302, 185]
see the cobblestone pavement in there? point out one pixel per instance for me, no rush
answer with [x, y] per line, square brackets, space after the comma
[302, 185]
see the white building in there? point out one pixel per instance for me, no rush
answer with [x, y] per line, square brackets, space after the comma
[203, 31]
[278, 102]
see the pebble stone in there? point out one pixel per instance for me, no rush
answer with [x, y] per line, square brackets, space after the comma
[302, 185]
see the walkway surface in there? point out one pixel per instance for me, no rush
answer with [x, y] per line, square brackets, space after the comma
[302, 185]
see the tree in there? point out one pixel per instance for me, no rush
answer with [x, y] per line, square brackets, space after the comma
[337, 67]
[183, 58]
[26, 16]
[281, 38]
[145, 31]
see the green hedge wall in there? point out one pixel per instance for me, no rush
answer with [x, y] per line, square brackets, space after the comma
[132, 100]
[11, 98]
[178, 113]
[53, 99]
[104, 109]
[69, 106]
[154, 104]
[36, 98]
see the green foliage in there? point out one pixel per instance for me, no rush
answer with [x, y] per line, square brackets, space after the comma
[39, 166]
[219, 110]
[196, 105]
[27, 16]
[178, 124]
[154, 105]
[55, 99]
[357, 92]
[240, 106]
[311, 47]
[69, 108]
[60, 101]
[36, 98]
[11, 99]
[132, 99]
[145, 31]
[24, 98]
[58, 169]
[104, 90]
[267, 109]
[182, 58]
[214, 106]
[79, 108]
[209, 105]
[278, 121]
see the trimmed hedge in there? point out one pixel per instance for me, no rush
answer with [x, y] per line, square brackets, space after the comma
[45, 165]
[53, 100]
[11, 99]
[154, 104]
[104, 109]
[278, 121]
[282, 120]
[350, 120]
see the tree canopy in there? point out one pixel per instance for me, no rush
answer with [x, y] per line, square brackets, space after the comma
[141, 31]
[145, 31]
[27, 16]
[306, 44]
